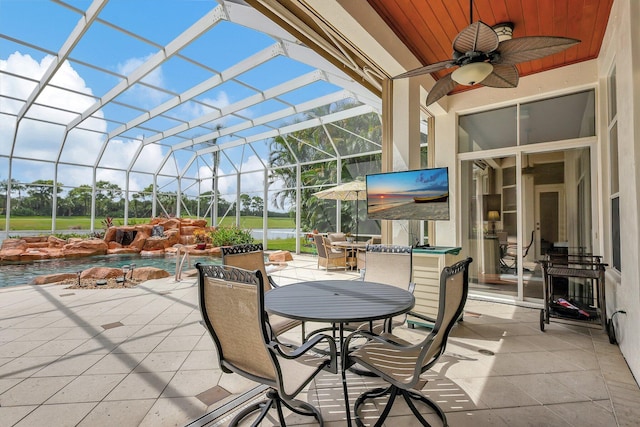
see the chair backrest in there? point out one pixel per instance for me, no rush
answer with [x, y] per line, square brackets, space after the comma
[526, 248]
[454, 286]
[388, 264]
[502, 237]
[336, 237]
[232, 307]
[319, 239]
[248, 257]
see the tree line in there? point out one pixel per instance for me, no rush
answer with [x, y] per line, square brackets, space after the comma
[36, 199]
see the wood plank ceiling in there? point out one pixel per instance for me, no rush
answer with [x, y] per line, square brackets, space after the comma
[428, 27]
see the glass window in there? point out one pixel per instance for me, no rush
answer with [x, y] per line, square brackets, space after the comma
[487, 130]
[557, 119]
[613, 167]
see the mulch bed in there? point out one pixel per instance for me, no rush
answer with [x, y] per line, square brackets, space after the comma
[91, 284]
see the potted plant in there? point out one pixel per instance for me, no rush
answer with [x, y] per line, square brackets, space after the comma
[200, 237]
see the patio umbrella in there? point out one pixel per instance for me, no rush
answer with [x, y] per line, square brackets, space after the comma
[354, 190]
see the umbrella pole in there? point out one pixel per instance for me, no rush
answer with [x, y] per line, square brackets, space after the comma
[357, 216]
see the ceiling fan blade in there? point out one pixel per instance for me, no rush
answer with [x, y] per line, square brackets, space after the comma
[440, 89]
[427, 69]
[503, 76]
[476, 37]
[524, 49]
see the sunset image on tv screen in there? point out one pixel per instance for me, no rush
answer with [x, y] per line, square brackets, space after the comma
[419, 194]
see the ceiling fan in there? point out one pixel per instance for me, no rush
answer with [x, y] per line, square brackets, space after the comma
[484, 58]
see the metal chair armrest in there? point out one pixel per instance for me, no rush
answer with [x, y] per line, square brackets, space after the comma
[306, 347]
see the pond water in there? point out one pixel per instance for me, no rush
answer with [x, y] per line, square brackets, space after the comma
[23, 274]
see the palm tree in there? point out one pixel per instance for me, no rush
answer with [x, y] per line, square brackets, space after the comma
[351, 136]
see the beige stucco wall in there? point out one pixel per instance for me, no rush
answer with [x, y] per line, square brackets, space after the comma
[621, 46]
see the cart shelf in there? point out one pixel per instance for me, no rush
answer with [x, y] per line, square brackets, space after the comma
[574, 289]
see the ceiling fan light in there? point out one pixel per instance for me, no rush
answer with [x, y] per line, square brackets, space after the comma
[504, 31]
[473, 73]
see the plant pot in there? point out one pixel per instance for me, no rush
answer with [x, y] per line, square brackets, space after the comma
[201, 246]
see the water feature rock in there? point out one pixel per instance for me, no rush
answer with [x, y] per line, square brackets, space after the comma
[141, 237]
[187, 230]
[127, 250]
[33, 255]
[110, 234]
[80, 248]
[173, 237]
[17, 244]
[155, 244]
[10, 254]
[34, 239]
[56, 242]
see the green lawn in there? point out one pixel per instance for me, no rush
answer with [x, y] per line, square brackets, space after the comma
[84, 223]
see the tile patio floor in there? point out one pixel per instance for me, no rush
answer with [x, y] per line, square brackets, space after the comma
[139, 356]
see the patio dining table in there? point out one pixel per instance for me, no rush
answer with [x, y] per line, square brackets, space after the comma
[352, 248]
[338, 302]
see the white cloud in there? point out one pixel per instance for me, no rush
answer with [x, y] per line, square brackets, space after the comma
[156, 78]
[38, 139]
[42, 141]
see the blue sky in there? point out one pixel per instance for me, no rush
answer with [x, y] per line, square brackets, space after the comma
[32, 29]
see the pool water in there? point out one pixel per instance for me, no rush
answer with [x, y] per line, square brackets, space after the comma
[23, 274]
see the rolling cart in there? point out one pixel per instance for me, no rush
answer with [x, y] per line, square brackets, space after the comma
[574, 290]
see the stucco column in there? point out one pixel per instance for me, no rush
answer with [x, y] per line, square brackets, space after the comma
[400, 146]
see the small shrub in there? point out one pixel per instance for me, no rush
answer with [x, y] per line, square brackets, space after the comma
[229, 236]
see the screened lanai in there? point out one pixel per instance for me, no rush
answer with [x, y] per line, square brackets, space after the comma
[202, 109]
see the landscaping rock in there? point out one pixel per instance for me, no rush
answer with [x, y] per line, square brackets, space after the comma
[142, 274]
[53, 278]
[101, 273]
[280, 256]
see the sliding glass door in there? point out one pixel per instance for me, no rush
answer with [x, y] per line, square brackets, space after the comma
[515, 215]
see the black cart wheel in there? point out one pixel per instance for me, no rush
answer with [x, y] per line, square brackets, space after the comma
[542, 320]
[611, 331]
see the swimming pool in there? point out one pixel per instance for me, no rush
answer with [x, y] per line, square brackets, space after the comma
[23, 274]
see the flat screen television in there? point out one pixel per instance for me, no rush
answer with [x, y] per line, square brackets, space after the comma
[421, 194]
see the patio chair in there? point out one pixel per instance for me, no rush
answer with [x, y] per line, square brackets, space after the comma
[361, 255]
[329, 257]
[401, 363]
[391, 265]
[251, 257]
[509, 251]
[232, 306]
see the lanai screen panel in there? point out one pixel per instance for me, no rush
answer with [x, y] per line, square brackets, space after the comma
[148, 88]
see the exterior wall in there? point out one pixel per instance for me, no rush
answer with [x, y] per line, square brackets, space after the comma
[621, 46]
[542, 85]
